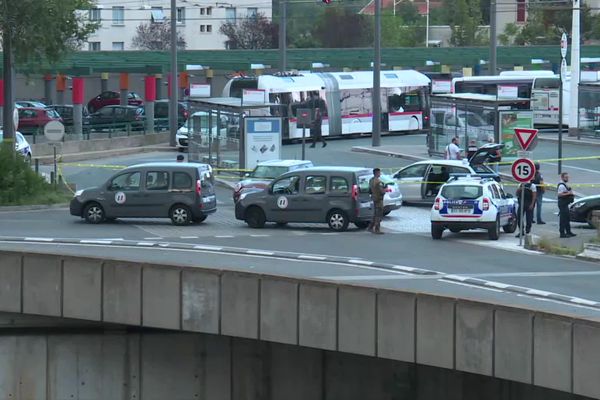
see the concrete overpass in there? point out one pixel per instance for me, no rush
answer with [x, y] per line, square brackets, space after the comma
[153, 331]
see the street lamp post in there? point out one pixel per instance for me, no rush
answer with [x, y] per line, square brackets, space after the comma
[376, 97]
[282, 36]
[427, 25]
[174, 82]
[574, 96]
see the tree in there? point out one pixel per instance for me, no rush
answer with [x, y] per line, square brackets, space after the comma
[340, 27]
[156, 36]
[405, 29]
[254, 32]
[35, 31]
[464, 18]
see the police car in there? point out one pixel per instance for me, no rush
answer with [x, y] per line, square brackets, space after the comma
[473, 203]
[22, 146]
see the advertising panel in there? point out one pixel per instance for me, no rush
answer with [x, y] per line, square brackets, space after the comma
[262, 139]
[509, 120]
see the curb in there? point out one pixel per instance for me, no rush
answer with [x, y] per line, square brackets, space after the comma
[45, 160]
[34, 207]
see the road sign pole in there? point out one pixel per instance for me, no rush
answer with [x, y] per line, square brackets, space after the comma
[521, 214]
[303, 142]
[560, 122]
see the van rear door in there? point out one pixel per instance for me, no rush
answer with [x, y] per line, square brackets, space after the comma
[207, 197]
[362, 197]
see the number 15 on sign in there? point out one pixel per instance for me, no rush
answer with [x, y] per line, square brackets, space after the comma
[523, 170]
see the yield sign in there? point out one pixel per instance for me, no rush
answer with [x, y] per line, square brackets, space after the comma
[525, 136]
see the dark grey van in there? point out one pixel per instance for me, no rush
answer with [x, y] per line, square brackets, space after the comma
[183, 192]
[332, 195]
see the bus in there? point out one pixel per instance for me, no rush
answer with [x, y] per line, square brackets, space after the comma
[405, 100]
[541, 87]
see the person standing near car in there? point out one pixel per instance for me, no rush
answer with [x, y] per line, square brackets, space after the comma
[528, 198]
[538, 180]
[452, 150]
[565, 197]
[377, 191]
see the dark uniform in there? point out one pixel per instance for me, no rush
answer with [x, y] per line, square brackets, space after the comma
[529, 199]
[565, 197]
[319, 108]
[377, 192]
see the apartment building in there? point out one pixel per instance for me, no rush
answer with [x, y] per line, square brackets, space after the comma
[198, 21]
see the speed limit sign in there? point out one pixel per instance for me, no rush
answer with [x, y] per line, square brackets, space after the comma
[523, 170]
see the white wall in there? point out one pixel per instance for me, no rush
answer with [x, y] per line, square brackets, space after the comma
[194, 28]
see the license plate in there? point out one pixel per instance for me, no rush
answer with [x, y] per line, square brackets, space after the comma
[461, 210]
[365, 205]
[208, 199]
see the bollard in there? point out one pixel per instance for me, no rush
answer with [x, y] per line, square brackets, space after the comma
[37, 166]
[52, 177]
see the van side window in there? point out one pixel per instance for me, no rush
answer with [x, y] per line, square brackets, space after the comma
[182, 181]
[130, 181]
[339, 185]
[289, 185]
[315, 184]
[157, 180]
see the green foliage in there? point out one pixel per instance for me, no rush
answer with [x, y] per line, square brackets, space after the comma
[546, 23]
[255, 32]
[21, 185]
[45, 29]
[405, 29]
[464, 18]
[342, 27]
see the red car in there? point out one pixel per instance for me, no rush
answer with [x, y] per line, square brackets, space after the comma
[33, 119]
[110, 98]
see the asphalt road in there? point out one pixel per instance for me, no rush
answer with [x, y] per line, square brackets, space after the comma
[465, 264]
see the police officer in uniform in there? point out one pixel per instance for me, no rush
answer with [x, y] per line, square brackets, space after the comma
[528, 205]
[377, 191]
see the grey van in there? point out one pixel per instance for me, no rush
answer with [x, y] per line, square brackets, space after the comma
[332, 195]
[183, 192]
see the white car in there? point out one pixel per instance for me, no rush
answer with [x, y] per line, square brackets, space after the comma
[22, 146]
[182, 137]
[473, 203]
[392, 200]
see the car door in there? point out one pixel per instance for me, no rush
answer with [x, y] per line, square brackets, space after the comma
[103, 116]
[124, 196]
[155, 193]
[505, 204]
[313, 198]
[284, 203]
[411, 180]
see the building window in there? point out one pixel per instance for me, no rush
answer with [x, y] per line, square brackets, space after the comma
[202, 28]
[209, 11]
[230, 16]
[157, 14]
[252, 12]
[118, 46]
[118, 15]
[208, 28]
[95, 15]
[94, 46]
[521, 11]
[181, 15]
[202, 11]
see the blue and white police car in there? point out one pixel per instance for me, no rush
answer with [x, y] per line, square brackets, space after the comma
[22, 146]
[473, 203]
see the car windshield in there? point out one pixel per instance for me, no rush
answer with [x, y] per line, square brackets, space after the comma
[268, 172]
[482, 169]
[461, 192]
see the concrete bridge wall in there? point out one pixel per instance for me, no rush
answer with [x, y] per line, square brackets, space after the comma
[550, 351]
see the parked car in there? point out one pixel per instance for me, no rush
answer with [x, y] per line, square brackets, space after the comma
[118, 117]
[337, 196]
[420, 182]
[30, 103]
[265, 172]
[33, 119]
[183, 192]
[392, 200]
[581, 209]
[22, 146]
[473, 203]
[161, 114]
[109, 98]
[66, 113]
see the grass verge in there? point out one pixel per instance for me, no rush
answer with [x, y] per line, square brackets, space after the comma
[20, 185]
[548, 246]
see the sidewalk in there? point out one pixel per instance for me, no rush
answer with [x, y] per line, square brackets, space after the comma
[546, 232]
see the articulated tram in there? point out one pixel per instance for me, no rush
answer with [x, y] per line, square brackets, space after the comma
[405, 103]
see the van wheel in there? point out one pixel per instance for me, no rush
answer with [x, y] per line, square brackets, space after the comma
[337, 220]
[255, 218]
[180, 215]
[93, 213]
[512, 226]
[200, 219]
[494, 230]
[436, 232]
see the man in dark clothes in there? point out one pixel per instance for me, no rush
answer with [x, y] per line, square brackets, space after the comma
[319, 108]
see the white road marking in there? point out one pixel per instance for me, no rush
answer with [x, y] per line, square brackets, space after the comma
[307, 257]
[471, 286]
[349, 278]
[95, 242]
[360, 262]
[578, 300]
[456, 277]
[260, 235]
[224, 236]
[37, 239]
[188, 237]
[145, 243]
[537, 292]
[205, 247]
[260, 252]
[497, 285]
[153, 238]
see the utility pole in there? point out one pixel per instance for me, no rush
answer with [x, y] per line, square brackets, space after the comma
[282, 36]
[493, 38]
[427, 25]
[376, 94]
[174, 81]
[8, 127]
[575, 60]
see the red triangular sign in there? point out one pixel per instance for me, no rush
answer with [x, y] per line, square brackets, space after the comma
[525, 136]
